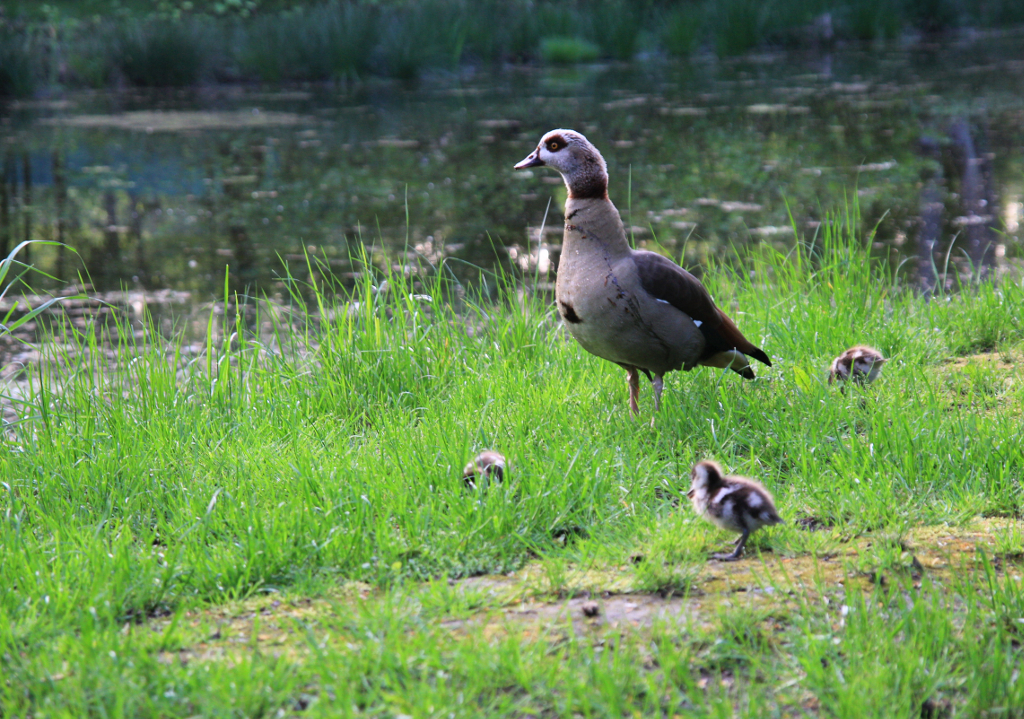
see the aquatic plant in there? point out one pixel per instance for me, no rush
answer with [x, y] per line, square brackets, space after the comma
[565, 50]
[738, 25]
[176, 43]
[680, 29]
[423, 35]
[872, 20]
[17, 78]
[616, 27]
[499, 30]
[933, 15]
[93, 61]
[153, 53]
[329, 41]
[999, 13]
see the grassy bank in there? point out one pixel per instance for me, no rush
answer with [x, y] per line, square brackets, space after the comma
[179, 43]
[151, 486]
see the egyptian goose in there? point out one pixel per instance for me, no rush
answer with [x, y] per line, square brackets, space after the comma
[861, 363]
[632, 307]
[737, 504]
[489, 464]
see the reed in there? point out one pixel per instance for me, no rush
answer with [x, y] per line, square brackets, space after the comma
[179, 43]
[153, 53]
[325, 42]
[17, 78]
[681, 28]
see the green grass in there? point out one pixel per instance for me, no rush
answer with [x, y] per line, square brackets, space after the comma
[148, 489]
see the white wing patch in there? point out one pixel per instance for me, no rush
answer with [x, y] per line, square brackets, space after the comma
[723, 493]
[698, 323]
[664, 302]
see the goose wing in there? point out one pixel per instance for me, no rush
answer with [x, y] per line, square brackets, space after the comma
[664, 280]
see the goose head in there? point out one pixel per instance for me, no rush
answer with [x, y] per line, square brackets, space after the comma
[579, 162]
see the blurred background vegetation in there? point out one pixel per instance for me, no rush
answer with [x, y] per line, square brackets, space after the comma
[173, 43]
[168, 140]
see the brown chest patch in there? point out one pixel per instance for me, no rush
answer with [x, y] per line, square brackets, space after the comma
[569, 313]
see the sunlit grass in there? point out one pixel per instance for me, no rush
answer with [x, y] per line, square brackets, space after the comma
[145, 485]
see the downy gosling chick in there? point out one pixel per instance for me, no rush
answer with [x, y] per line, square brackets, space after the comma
[737, 504]
[488, 464]
[635, 308]
[861, 363]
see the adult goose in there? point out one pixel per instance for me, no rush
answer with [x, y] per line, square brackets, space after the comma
[632, 307]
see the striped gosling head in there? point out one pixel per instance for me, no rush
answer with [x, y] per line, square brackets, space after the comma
[488, 464]
[705, 478]
[579, 162]
[860, 363]
[736, 504]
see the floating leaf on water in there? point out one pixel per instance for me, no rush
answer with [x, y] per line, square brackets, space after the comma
[741, 207]
[770, 231]
[684, 225]
[179, 120]
[625, 102]
[499, 124]
[685, 111]
[876, 166]
[972, 220]
[394, 142]
[850, 86]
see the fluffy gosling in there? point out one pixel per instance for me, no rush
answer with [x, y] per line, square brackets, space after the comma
[861, 363]
[737, 504]
[489, 464]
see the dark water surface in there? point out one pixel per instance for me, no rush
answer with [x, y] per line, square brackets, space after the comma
[166, 190]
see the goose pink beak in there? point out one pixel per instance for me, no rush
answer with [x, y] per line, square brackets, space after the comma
[532, 160]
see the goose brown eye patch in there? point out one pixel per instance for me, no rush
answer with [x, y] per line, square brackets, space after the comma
[556, 144]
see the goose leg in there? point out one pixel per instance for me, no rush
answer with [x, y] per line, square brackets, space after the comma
[736, 552]
[659, 385]
[633, 377]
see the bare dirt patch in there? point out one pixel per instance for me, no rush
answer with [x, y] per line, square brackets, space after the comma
[601, 600]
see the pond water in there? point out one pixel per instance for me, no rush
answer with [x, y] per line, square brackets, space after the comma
[173, 190]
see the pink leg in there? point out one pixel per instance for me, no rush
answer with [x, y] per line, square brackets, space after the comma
[659, 385]
[633, 377]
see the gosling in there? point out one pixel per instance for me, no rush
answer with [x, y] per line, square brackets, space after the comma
[737, 504]
[861, 363]
[488, 464]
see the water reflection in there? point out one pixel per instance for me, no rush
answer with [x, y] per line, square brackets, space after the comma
[187, 190]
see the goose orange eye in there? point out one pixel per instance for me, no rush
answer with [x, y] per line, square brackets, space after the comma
[554, 146]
